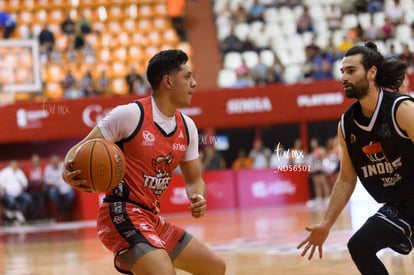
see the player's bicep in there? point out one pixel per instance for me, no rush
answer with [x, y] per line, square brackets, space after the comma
[347, 172]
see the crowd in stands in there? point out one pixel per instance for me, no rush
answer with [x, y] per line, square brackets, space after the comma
[36, 194]
[90, 49]
[291, 41]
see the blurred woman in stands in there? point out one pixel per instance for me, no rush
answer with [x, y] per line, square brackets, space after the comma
[36, 189]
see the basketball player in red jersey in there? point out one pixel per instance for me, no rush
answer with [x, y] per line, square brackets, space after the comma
[155, 137]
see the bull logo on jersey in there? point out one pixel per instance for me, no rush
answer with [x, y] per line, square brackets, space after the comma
[159, 182]
[374, 152]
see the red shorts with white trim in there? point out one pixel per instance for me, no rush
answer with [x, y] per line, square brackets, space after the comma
[122, 225]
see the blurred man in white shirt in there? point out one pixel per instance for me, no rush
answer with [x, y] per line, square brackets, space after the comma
[59, 192]
[13, 184]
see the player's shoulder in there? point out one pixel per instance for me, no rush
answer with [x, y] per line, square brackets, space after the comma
[131, 108]
[188, 120]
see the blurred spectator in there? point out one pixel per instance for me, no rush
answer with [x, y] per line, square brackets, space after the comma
[387, 30]
[213, 160]
[240, 14]
[70, 86]
[36, 189]
[360, 6]
[7, 24]
[176, 11]
[71, 54]
[334, 17]
[248, 45]
[371, 32]
[242, 161]
[273, 76]
[331, 161]
[140, 87]
[102, 83]
[394, 11]
[86, 84]
[374, 6]
[89, 54]
[304, 22]
[59, 192]
[14, 198]
[131, 78]
[408, 57]
[231, 43]
[68, 26]
[275, 72]
[391, 53]
[259, 72]
[84, 24]
[319, 182]
[308, 67]
[224, 16]
[356, 34]
[323, 67]
[243, 68]
[261, 39]
[56, 56]
[260, 155]
[331, 50]
[244, 79]
[312, 49]
[46, 38]
[345, 45]
[255, 12]
[79, 40]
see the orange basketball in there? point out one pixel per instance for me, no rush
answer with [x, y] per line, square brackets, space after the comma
[102, 164]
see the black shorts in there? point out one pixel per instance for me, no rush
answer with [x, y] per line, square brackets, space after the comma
[392, 217]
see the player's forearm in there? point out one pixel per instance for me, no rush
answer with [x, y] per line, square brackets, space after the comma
[197, 187]
[340, 196]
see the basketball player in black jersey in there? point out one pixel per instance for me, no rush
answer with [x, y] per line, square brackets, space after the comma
[376, 134]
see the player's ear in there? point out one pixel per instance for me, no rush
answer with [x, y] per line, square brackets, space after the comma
[372, 73]
[167, 81]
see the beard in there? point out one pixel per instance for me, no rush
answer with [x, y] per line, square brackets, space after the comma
[357, 90]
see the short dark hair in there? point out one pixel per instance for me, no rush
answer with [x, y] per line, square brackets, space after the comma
[162, 63]
[390, 71]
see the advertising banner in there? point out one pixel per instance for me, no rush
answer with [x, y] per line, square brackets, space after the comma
[267, 187]
[66, 119]
[220, 192]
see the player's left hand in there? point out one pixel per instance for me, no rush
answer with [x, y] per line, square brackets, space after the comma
[198, 205]
[315, 240]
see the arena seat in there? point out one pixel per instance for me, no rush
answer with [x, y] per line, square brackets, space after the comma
[226, 78]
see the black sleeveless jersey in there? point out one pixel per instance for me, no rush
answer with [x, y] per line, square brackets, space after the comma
[382, 154]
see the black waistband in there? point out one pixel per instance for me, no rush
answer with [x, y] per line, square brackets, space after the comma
[111, 199]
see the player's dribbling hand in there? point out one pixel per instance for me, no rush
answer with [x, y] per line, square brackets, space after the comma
[69, 176]
[316, 238]
[198, 205]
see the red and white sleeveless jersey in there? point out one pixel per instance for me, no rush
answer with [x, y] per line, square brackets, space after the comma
[151, 156]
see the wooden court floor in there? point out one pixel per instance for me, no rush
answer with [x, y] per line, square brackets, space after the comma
[251, 241]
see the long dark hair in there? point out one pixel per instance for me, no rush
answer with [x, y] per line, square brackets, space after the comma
[164, 62]
[390, 71]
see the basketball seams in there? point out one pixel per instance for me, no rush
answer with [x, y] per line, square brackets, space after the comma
[110, 165]
[91, 165]
[93, 158]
